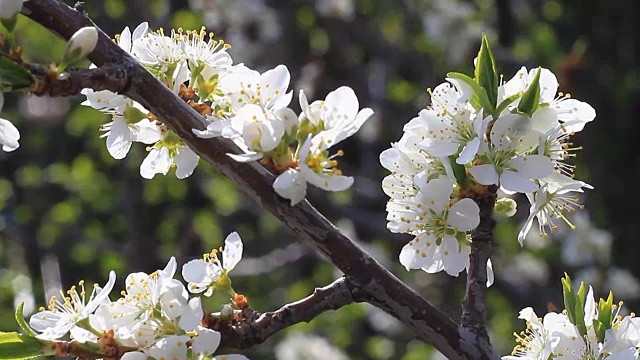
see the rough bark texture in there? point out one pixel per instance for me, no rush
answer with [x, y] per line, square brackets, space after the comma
[260, 327]
[376, 284]
[473, 328]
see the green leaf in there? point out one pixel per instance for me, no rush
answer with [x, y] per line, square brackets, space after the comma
[579, 310]
[459, 172]
[23, 324]
[480, 98]
[531, 97]
[14, 76]
[569, 298]
[17, 346]
[485, 72]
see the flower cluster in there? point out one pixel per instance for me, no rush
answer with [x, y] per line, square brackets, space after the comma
[586, 329]
[238, 103]
[154, 318]
[477, 134]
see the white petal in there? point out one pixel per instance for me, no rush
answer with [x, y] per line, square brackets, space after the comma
[533, 166]
[419, 252]
[469, 152]
[140, 31]
[205, 343]
[230, 357]
[485, 174]
[439, 147]
[513, 181]
[44, 319]
[291, 185]
[436, 193]
[134, 355]
[574, 113]
[272, 81]
[464, 215]
[490, 274]
[119, 138]
[327, 182]
[170, 269]
[232, 252]
[454, 257]
[197, 271]
[157, 162]
[9, 135]
[548, 84]
[124, 41]
[101, 295]
[192, 315]
[544, 119]
[186, 161]
[245, 157]
[145, 131]
[509, 128]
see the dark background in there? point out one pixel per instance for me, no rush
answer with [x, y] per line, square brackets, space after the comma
[69, 211]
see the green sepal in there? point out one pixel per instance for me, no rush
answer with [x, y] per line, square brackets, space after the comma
[14, 77]
[531, 97]
[23, 324]
[506, 102]
[480, 99]
[17, 346]
[10, 24]
[132, 114]
[485, 72]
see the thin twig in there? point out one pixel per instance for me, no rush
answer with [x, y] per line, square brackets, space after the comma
[378, 285]
[260, 327]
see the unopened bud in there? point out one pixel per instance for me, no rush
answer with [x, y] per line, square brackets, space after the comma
[506, 207]
[80, 45]
[226, 311]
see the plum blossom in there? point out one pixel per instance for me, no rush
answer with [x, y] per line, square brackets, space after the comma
[63, 314]
[203, 274]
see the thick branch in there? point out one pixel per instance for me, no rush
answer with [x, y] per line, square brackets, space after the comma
[262, 326]
[382, 288]
[70, 82]
[473, 327]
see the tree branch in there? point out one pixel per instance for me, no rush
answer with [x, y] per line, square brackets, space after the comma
[378, 285]
[72, 81]
[473, 327]
[256, 328]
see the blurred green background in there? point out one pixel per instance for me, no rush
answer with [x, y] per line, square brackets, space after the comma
[69, 211]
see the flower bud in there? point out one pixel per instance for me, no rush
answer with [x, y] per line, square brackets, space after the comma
[506, 207]
[10, 8]
[226, 311]
[80, 45]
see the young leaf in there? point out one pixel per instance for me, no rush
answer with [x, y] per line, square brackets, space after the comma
[480, 100]
[14, 76]
[459, 172]
[17, 346]
[531, 97]
[569, 298]
[23, 324]
[485, 72]
[579, 310]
